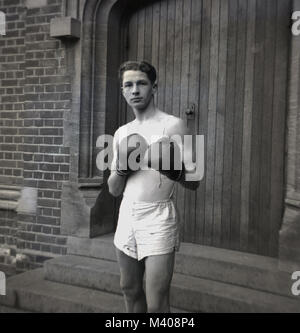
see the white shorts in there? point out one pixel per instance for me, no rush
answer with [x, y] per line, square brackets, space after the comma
[147, 228]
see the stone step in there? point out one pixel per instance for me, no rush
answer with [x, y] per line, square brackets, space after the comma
[6, 309]
[238, 268]
[190, 293]
[198, 294]
[30, 292]
[100, 247]
[85, 272]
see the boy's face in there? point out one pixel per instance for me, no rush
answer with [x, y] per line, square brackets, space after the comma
[137, 89]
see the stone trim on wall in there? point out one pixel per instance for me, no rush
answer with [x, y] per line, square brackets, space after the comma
[9, 197]
[289, 237]
[90, 117]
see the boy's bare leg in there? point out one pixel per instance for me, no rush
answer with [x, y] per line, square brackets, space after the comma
[132, 273]
[159, 272]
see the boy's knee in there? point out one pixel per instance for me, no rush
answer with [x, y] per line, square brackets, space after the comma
[158, 298]
[131, 289]
[158, 289]
[158, 303]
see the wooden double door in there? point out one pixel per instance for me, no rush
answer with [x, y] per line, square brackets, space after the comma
[228, 59]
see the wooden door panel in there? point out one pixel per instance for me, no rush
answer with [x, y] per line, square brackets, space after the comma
[229, 58]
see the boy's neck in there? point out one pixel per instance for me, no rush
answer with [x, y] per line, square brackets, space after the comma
[146, 114]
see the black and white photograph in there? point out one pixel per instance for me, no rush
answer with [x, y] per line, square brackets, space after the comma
[149, 159]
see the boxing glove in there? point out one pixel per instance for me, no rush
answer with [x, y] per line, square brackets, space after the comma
[130, 152]
[164, 156]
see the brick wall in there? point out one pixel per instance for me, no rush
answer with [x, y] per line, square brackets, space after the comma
[35, 94]
[12, 47]
[12, 56]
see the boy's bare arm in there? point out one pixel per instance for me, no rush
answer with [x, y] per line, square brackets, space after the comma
[116, 183]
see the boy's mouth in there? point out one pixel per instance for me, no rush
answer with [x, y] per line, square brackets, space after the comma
[137, 99]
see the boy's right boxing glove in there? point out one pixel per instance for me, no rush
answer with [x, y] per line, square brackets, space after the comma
[164, 156]
[131, 151]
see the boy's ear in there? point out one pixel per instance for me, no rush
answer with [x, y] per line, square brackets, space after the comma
[154, 87]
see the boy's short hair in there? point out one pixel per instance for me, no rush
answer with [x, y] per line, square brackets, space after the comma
[142, 66]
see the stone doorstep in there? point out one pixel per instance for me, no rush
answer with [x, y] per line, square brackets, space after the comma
[30, 292]
[239, 268]
[6, 309]
[8, 269]
[189, 293]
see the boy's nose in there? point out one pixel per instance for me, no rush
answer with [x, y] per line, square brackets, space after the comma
[135, 89]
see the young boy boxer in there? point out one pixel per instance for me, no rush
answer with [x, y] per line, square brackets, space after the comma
[147, 234]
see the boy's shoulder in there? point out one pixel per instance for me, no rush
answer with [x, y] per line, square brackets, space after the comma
[124, 127]
[123, 130]
[174, 124]
[171, 117]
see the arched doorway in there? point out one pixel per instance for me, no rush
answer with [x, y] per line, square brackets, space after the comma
[229, 60]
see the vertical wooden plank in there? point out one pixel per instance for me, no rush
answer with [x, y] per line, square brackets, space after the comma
[141, 34]
[133, 37]
[279, 121]
[123, 57]
[148, 33]
[238, 125]
[220, 123]
[162, 55]
[185, 73]
[203, 111]
[155, 38]
[177, 58]
[133, 46]
[270, 38]
[247, 124]
[211, 135]
[254, 215]
[195, 53]
[229, 119]
[179, 192]
[170, 56]
[186, 44]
